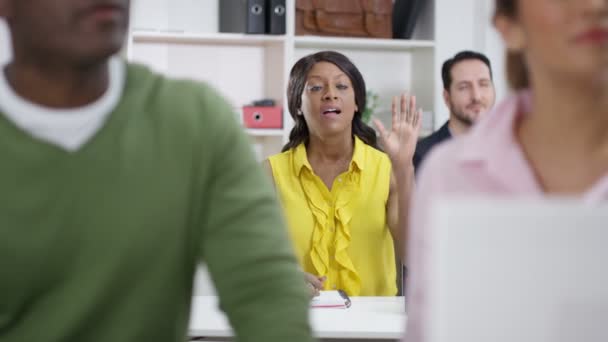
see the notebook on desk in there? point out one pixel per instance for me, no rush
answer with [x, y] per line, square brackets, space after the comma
[331, 299]
[526, 271]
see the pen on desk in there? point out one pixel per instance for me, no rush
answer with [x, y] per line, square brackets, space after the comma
[344, 295]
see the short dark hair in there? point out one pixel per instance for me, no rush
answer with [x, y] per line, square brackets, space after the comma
[297, 80]
[446, 69]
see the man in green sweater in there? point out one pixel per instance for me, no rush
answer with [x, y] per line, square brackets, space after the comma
[115, 182]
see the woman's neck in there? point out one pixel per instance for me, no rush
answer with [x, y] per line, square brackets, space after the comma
[330, 149]
[565, 138]
[570, 114]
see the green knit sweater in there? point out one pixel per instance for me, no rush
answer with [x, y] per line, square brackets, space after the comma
[101, 244]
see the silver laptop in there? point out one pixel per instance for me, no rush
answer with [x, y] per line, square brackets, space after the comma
[519, 271]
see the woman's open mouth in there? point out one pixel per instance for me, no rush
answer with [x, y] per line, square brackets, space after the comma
[332, 111]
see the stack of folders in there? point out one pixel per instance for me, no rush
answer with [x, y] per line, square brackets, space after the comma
[331, 299]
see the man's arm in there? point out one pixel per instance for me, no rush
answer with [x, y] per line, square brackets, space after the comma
[245, 242]
[419, 153]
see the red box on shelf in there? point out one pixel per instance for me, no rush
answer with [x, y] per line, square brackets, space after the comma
[263, 117]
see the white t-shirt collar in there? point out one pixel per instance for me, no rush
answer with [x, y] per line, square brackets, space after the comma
[70, 128]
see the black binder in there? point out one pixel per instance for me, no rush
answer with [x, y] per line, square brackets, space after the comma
[275, 16]
[242, 16]
[405, 15]
[256, 16]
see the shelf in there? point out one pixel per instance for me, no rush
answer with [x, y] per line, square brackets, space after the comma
[262, 40]
[206, 38]
[269, 132]
[316, 42]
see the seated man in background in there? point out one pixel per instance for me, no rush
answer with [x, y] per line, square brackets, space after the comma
[116, 182]
[468, 92]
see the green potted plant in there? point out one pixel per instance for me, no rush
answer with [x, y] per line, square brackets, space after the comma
[371, 106]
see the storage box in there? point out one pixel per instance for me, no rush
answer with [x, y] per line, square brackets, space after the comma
[263, 117]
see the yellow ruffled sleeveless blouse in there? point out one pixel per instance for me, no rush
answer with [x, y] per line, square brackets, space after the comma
[340, 233]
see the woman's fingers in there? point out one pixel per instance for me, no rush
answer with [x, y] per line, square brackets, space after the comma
[412, 109]
[396, 110]
[403, 108]
[418, 120]
[313, 290]
[316, 282]
[381, 129]
[404, 113]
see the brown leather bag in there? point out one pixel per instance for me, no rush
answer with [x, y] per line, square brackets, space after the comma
[353, 18]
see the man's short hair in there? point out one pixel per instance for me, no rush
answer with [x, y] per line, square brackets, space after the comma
[446, 69]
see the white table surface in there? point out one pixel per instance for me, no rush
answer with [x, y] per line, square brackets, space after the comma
[372, 318]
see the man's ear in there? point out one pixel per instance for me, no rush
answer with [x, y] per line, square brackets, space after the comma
[446, 98]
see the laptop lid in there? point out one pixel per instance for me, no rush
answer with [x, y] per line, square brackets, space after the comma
[526, 271]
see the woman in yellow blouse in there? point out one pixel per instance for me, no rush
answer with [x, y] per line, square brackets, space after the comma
[345, 200]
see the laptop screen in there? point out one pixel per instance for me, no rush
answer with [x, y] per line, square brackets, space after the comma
[526, 271]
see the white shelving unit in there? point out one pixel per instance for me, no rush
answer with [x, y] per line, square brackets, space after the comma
[180, 38]
[315, 42]
[164, 37]
[5, 48]
[265, 132]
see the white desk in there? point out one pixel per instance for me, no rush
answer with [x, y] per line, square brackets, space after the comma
[369, 318]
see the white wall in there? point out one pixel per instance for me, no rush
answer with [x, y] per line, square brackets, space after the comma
[5, 49]
[181, 15]
[467, 24]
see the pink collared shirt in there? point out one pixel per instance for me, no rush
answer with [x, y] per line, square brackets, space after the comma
[488, 161]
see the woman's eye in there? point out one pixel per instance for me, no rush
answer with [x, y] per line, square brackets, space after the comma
[315, 88]
[342, 86]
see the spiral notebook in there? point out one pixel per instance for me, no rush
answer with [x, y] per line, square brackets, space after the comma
[331, 299]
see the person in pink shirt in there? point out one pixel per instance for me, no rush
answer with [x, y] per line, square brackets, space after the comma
[550, 137]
